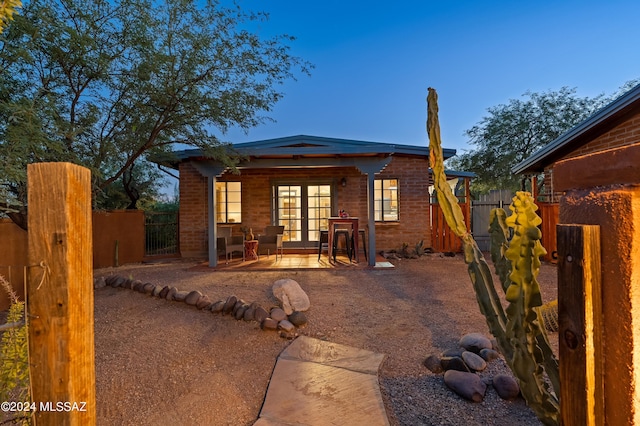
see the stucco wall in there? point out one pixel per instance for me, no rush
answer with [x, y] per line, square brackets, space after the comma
[412, 173]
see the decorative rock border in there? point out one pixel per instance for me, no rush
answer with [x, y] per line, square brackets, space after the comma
[460, 367]
[272, 319]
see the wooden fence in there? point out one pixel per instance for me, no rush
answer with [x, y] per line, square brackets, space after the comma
[118, 239]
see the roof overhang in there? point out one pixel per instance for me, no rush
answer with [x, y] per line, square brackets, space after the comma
[306, 151]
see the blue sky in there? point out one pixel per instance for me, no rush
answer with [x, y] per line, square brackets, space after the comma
[375, 60]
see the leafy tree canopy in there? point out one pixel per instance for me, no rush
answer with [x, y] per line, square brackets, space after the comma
[512, 132]
[106, 83]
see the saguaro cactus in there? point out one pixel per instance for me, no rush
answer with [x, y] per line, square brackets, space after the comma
[517, 330]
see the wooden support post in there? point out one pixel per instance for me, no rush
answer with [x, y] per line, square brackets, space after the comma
[60, 294]
[580, 321]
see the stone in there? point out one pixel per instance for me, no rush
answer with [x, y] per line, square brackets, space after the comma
[148, 288]
[290, 295]
[260, 314]
[163, 293]
[239, 314]
[240, 303]
[171, 293]
[229, 304]
[269, 324]
[203, 302]
[156, 291]
[298, 318]
[99, 282]
[127, 283]
[216, 308]
[286, 326]
[489, 354]
[453, 363]
[180, 296]
[287, 335]
[110, 280]
[192, 297]
[468, 385]
[433, 364]
[278, 314]
[138, 286]
[119, 281]
[475, 342]
[506, 386]
[473, 361]
[452, 353]
[249, 313]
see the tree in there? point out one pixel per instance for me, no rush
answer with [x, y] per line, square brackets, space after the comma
[514, 131]
[107, 83]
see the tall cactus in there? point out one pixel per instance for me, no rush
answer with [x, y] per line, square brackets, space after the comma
[518, 332]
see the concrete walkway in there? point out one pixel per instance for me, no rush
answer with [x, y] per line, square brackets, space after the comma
[323, 383]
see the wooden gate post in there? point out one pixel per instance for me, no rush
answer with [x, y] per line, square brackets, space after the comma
[60, 294]
[580, 325]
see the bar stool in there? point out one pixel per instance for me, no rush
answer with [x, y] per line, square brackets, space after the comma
[323, 243]
[346, 233]
[363, 238]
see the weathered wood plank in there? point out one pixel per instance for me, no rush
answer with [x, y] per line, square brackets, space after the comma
[60, 294]
[580, 321]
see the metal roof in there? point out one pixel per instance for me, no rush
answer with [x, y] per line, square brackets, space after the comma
[317, 146]
[599, 123]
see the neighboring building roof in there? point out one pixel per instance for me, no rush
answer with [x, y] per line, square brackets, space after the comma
[315, 146]
[599, 123]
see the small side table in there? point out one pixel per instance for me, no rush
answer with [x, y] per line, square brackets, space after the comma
[251, 249]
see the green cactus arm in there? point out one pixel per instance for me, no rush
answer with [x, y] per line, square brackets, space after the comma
[499, 234]
[523, 294]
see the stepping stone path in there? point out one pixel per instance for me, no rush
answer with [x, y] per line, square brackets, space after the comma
[284, 318]
[461, 365]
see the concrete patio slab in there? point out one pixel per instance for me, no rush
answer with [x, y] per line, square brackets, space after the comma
[323, 383]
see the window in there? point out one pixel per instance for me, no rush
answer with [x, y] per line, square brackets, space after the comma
[386, 199]
[228, 202]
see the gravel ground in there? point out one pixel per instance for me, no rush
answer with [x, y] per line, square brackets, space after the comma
[160, 362]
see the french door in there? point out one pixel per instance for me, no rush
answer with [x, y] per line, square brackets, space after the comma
[303, 209]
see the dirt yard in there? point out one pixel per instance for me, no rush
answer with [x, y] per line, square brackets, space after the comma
[167, 363]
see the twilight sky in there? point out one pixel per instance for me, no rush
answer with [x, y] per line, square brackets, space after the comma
[374, 61]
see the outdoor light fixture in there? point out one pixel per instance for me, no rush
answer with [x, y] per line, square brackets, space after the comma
[343, 182]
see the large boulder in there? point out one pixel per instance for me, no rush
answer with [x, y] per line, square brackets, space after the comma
[475, 342]
[468, 385]
[291, 296]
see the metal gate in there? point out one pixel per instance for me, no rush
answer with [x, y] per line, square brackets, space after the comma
[161, 233]
[480, 211]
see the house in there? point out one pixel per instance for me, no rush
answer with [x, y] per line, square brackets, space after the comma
[595, 167]
[299, 182]
[614, 126]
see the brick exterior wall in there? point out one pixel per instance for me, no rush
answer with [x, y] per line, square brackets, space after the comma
[626, 133]
[412, 173]
[193, 212]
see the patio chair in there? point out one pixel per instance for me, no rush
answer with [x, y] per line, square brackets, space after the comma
[229, 244]
[271, 240]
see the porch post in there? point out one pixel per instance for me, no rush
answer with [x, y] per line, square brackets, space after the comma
[371, 219]
[213, 240]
